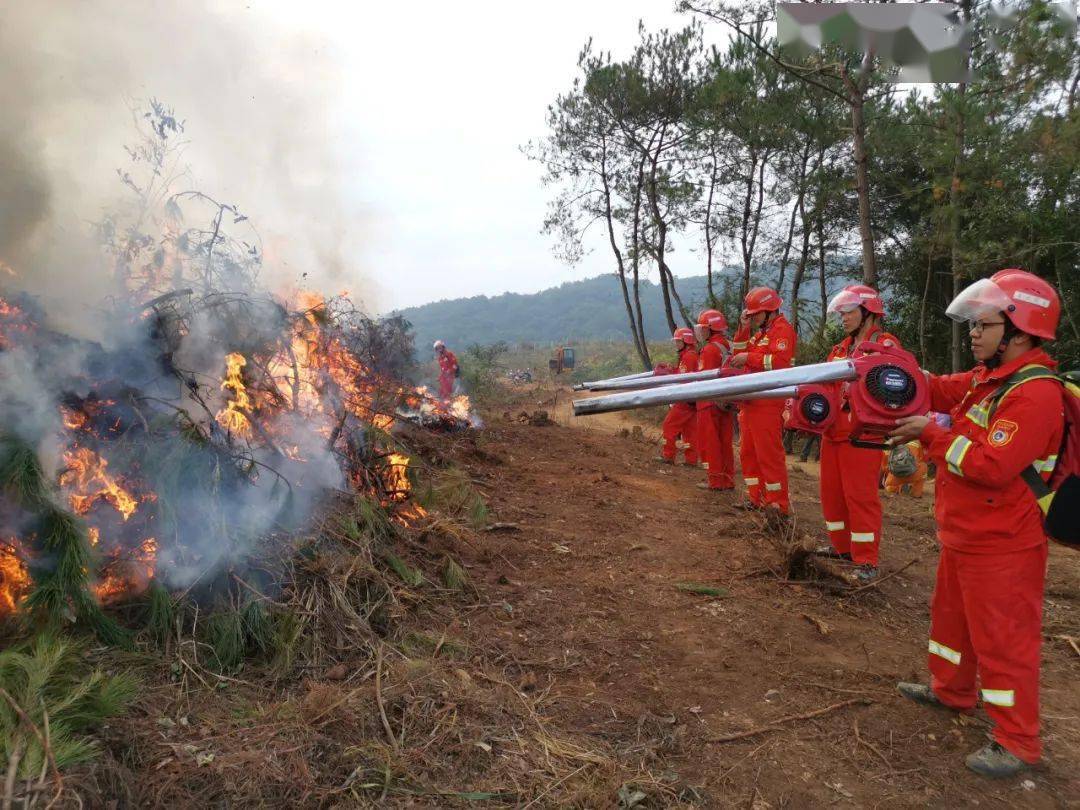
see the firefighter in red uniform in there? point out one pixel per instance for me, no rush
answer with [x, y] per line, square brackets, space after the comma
[714, 420]
[682, 416]
[449, 370]
[849, 475]
[986, 614]
[771, 345]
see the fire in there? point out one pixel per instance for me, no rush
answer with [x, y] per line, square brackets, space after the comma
[89, 481]
[233, 417]
[14, 578]
[396, 478]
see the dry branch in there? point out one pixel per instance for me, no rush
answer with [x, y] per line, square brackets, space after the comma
[776, 724]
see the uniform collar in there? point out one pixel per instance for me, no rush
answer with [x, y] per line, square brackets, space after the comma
[847, 342]
[717, 338]
[1035, 356]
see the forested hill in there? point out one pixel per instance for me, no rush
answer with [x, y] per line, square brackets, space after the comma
[577, 310]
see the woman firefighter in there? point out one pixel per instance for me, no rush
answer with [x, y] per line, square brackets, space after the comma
[849, 475]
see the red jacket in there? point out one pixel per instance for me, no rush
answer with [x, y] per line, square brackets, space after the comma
[840, 430]
[771, 348]
[738, 342]
[713, 355]
[448, 363]
[688, 360]
[983, 505]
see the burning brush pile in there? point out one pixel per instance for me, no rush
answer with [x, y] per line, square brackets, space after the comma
[211, 414]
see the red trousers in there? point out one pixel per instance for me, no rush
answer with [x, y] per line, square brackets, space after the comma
[446, 387]
[986, 623]
[715, 429]
[849, 499]
[681, 420]
[761, 450]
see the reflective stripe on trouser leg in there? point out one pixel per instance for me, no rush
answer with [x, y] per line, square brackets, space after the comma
[951, 658]
[860, 470]
[748, 459]
[831, 493]
[1003, 602]
[765, 423]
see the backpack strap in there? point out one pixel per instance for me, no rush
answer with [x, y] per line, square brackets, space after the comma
[1031, 474]
[1026, 374]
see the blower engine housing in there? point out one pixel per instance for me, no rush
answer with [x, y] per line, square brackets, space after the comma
[890, 386]
[814, 408]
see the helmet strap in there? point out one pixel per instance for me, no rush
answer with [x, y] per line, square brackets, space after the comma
[1007, 335]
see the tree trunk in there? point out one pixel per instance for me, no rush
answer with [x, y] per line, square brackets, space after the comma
[639, 338]
[744, 235]
[800, 268]
[856, 90]
[923, 356]
[821, 265]
[661, 232]
[954, 203]
[708, 230]
[635, 264]
[797, 208]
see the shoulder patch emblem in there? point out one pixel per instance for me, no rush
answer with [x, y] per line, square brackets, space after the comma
[1002, 432]
[781, 345]
[888, 343]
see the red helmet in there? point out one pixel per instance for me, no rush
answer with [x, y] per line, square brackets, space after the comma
[706, 314]
[857, 295]
[1031, 303]
[762, 299]
[683, 336]
[709, 321]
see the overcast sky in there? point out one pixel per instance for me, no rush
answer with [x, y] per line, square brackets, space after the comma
[439, 98]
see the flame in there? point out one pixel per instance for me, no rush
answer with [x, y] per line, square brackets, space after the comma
[86, 475]
[14, 578]
[233, 417]
[395, 476]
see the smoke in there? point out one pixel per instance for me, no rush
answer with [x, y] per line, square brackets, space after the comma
[260, 103]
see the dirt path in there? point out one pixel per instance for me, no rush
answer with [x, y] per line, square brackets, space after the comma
[584, 603]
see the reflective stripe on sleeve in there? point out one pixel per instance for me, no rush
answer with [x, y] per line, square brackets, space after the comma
[773, 487]
[954, 456]
[979, 414]
[834, 525]
[766, 360]
[862, 537]
[1045, 465]
[950, 655]
[751, 482]
[999, 697]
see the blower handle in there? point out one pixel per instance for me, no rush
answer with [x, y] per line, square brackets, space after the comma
[870, 445]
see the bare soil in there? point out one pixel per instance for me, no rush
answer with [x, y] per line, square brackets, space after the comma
[575, 671]
[587, 606]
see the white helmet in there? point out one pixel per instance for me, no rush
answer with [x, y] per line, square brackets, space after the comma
[438, 345]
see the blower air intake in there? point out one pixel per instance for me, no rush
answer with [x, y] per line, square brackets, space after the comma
[891, 385]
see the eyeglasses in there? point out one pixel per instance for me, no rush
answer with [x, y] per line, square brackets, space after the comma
[978, 326]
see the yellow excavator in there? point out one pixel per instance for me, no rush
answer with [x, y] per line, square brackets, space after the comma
[562, 360]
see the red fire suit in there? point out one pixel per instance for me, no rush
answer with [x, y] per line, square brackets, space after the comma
[761, 421]
[849, 476]
[448, 371]
[681, 418]
[986, 614]
[714, 422]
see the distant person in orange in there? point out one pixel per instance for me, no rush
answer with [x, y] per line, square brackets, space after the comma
[715, 421]
[896, 465]
[681, 417]
[770, 346]
[449, 370]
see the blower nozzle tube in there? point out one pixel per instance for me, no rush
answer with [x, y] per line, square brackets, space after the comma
[743, 386]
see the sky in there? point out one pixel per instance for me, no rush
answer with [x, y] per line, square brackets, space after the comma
[438, 98]
[374, 146]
